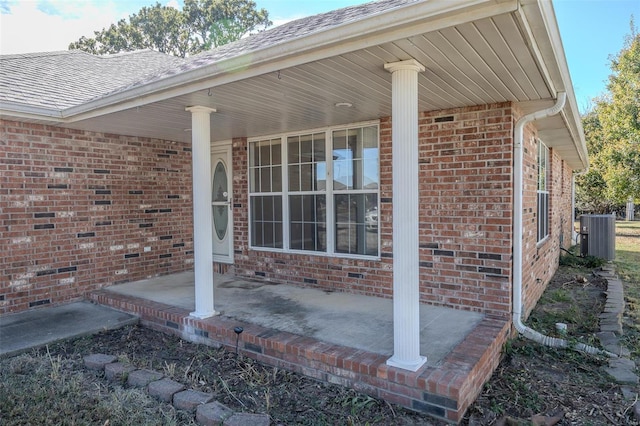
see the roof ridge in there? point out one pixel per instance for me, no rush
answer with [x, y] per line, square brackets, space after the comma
[298, 23]
[132, 52]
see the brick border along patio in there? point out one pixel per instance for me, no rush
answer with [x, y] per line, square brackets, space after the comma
[444, 391]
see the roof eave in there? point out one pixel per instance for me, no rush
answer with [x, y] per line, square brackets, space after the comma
[393, 24]
[540, 24]
[15, 110]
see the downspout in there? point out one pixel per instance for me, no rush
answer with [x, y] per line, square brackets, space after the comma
[518, 158]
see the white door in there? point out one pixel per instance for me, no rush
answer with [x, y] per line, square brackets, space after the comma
[222, 203]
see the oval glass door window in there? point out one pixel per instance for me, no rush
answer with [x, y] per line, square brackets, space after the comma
[220, 201]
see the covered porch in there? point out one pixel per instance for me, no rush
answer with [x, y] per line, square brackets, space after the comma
[332, 336]
[437, 83]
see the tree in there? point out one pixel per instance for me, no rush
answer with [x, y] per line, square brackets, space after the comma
[200, 25]
[612, 131]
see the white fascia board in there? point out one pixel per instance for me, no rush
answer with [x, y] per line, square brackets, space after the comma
[406, 21]
[541, 28]
[572, 116]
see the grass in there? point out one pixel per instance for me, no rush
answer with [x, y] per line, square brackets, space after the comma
[628, 268]
[38, 388]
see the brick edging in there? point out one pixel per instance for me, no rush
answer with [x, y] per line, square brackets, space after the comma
[201, 404]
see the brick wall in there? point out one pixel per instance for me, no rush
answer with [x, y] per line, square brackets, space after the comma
[465, 207]
[540, 259]
[79, 208]
[465, 217]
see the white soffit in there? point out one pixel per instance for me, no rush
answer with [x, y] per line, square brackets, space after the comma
[476, 52]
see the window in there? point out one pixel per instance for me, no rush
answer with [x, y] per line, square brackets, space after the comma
[265, 185]
[307, 192]
[543, 193]
[316, 192]
[355, 189]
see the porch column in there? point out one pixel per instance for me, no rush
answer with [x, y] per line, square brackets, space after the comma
[202, 218]
[406, 297]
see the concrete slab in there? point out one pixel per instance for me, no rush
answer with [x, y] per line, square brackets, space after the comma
[355, 321]
[30, 329]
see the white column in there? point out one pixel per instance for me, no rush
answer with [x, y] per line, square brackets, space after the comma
[406, 268]
[202, 219]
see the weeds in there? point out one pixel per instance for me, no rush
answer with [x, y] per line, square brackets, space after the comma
[581, 262]
[358, 406]
[169, 369]
[55, 365]
[228, 390]
[576, 302]
[253, 376]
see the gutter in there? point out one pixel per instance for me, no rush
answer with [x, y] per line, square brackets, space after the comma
[19, 110]
[518, 166]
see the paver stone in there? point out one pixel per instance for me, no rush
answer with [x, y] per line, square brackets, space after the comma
[212, 413]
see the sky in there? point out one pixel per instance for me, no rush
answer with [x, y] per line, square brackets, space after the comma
[591, 30]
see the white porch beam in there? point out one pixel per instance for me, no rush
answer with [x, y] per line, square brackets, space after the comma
[202, 218]
[406, 294]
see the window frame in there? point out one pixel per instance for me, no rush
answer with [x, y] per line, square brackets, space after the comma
[542, 192]
[260, 193]
[328, 192]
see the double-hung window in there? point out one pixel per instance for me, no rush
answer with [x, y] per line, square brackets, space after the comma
[316, 192]
[543, 192]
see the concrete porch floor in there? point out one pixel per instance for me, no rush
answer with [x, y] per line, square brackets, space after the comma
[356, 321]
[332, 336]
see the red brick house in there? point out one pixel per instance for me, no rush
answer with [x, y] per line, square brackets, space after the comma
[373, 150]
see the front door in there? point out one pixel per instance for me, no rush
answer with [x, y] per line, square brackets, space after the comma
[222, 203]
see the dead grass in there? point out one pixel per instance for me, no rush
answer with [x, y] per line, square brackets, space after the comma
[51, 386]
[39, 388]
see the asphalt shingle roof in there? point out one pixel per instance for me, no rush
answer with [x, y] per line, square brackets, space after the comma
[279, 35]
[60, 80]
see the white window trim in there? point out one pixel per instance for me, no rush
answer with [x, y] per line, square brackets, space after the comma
[328, 193]
[541, 241]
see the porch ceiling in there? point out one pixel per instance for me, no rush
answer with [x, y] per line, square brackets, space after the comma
[492, 59]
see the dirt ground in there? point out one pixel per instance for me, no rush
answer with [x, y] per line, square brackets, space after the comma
[236, 381]
[532, 385]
